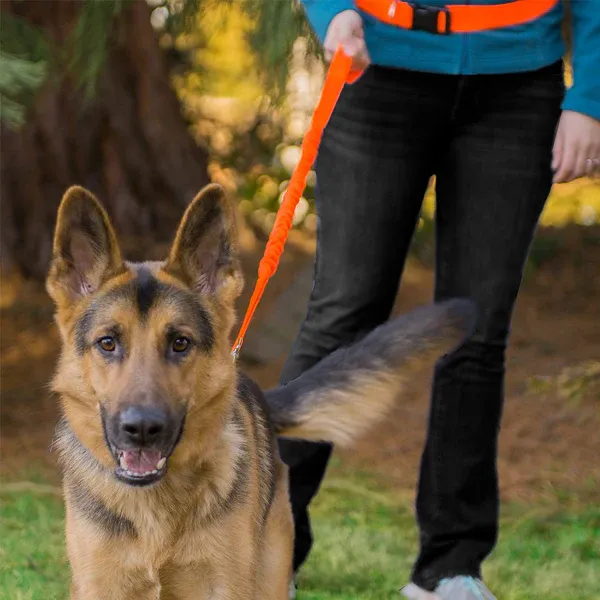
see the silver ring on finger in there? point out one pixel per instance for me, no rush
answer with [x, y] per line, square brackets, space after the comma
[593, 167]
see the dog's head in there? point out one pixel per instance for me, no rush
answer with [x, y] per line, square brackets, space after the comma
[145, 366]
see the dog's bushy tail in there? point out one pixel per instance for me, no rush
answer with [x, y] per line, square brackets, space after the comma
[353, 388]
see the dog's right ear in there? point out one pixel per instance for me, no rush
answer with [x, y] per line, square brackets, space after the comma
[86, 252]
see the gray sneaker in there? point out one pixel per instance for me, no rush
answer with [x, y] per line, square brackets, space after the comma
[414, 592]
[463, 588]
[453, 588]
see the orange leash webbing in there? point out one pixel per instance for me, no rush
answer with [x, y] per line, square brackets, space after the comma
[338, 75]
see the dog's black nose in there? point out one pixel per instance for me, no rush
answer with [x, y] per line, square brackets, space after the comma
[142, 425]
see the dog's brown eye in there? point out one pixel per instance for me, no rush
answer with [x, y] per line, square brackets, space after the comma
[180, 344]
[107, 344]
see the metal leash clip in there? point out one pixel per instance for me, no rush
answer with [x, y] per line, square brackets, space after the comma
[235, 352]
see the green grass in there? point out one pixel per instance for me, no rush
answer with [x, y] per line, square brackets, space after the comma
[32, 554]
[365, 541]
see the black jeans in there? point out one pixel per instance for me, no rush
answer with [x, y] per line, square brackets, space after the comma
[488, 139]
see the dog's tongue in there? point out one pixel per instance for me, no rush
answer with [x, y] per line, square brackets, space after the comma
[141, 461]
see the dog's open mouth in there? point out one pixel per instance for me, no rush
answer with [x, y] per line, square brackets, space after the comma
[145, 465]
[140, 467]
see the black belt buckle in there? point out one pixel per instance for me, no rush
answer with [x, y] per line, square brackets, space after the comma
[425, 18]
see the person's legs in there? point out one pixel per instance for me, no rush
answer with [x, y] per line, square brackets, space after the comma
[374, 163]
[491, 186]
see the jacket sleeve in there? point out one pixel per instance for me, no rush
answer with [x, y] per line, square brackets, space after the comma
[321, 12]
[584, 95]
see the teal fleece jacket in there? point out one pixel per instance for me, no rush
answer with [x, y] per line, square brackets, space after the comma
[525, 47]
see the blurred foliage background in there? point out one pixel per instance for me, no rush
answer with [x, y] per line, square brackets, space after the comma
[244, 88]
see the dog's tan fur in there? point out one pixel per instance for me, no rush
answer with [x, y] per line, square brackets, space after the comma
[218, 525]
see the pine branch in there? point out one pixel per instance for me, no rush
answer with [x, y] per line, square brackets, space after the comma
[25, 59]
[27, 56]
[89, 42]
[20, 79]
[278, 24]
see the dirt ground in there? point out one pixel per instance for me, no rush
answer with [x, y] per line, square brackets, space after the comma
[549, 438]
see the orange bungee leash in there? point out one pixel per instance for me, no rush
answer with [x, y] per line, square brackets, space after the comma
[339, 73]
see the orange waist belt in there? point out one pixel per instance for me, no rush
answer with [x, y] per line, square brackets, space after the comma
[455, 18]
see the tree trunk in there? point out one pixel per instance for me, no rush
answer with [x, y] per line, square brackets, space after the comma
[130, 145]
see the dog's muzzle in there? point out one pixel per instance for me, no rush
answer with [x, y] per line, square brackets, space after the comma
[141, 438]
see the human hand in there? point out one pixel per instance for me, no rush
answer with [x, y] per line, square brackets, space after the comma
[346, 28]
[576, 150]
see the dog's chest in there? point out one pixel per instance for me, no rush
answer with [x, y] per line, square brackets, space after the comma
[175, 537]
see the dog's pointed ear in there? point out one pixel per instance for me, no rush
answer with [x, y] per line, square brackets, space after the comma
[85, 252]
[204, 253]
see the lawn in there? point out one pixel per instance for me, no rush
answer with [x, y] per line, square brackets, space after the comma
[365, 539]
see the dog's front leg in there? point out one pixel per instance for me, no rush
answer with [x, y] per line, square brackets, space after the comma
[205, 581]
[106, 567]
[113, 585]
[96, 578]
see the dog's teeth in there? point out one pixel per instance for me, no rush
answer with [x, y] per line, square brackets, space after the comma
[139, 475]
[161, 463]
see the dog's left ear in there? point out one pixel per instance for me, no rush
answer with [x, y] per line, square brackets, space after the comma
[86, 252]
[204, 252]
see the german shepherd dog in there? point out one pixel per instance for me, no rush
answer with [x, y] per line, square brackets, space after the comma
[173, 484]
